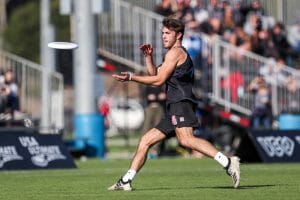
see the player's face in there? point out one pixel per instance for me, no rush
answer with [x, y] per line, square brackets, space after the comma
[168, 37]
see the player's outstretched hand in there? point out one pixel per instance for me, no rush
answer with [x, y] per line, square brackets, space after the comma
[124, 76]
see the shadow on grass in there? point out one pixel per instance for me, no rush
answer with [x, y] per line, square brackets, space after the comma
[207, 187]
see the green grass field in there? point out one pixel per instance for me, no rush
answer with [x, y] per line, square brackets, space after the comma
[170, 179]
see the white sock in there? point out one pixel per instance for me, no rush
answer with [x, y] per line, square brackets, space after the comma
[222, 159]
[129, 175]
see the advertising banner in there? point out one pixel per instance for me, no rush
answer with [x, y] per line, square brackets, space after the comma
[22, 150]
[277, 145]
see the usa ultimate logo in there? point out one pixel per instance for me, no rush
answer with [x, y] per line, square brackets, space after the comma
[41, 155]
[7, 154]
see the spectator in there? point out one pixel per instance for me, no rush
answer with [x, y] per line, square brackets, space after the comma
[263, 45]
[262, 112]
[164, 8]
[2, 93]
[294, 36]
[238, 17]
[252, 24]
[214, 10]
[235, 82]
[240, 39]
[185, 12]
[201, 14]
[254, 7]
[228, 23]
[280, 41]
[10, 91]
[293, 93]
[154, 112]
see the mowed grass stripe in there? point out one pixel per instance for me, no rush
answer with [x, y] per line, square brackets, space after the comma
[160, 179]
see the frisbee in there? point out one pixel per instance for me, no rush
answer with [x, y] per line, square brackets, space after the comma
[62, 45]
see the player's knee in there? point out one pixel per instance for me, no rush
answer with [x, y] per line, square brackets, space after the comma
[185, 142]
[145, 143]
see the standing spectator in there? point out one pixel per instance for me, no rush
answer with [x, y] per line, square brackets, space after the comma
[154, 112]
[262, 112]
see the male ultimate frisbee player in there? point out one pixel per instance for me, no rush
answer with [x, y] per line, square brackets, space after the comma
[177, 73]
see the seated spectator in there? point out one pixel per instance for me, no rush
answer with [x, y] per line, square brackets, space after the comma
[214, 10]
[228, 23]
[2, 93]
[201, 14]
[10, 91]
[294, 36]
[280, 41]
[262, 113]
[252, 24]
[164, 8]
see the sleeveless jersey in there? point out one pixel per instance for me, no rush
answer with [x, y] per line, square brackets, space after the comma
[179, 85]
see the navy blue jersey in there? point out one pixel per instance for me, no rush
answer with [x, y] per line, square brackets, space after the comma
[179, 86]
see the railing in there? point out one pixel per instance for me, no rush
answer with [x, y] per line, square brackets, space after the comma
[145, 4]
[28, 76]
[223, 80]
[234, 69]
[124, 28]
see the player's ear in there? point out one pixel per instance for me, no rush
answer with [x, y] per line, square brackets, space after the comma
[179, 36]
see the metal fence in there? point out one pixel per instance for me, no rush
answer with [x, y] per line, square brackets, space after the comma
[146, 4]
[226, 70]
[233, 71]
[28, 76]
[124, 28]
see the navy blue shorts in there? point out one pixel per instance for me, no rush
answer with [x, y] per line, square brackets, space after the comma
[180, 114]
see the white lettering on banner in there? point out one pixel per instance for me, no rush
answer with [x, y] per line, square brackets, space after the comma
[28, 141]
[7, 154]
[277, 146]
[298, 139]
[41, 155]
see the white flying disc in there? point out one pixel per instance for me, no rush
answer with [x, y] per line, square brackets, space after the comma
[62, 45]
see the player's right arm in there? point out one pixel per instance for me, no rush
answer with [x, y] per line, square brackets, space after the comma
[172, 58]
[147, 51]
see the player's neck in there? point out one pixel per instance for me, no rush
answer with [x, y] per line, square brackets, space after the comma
[177, 45]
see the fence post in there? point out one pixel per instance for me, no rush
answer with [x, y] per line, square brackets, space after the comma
[216, 93]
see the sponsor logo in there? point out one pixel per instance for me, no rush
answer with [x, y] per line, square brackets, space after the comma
[174, 120]
[277, 146]
[7, 154]
[181, 119]
[41, 155]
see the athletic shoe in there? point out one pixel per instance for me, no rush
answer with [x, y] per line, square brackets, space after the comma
[121, 185]
[233, 170]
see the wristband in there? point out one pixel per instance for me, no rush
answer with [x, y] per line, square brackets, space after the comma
[130, 76]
